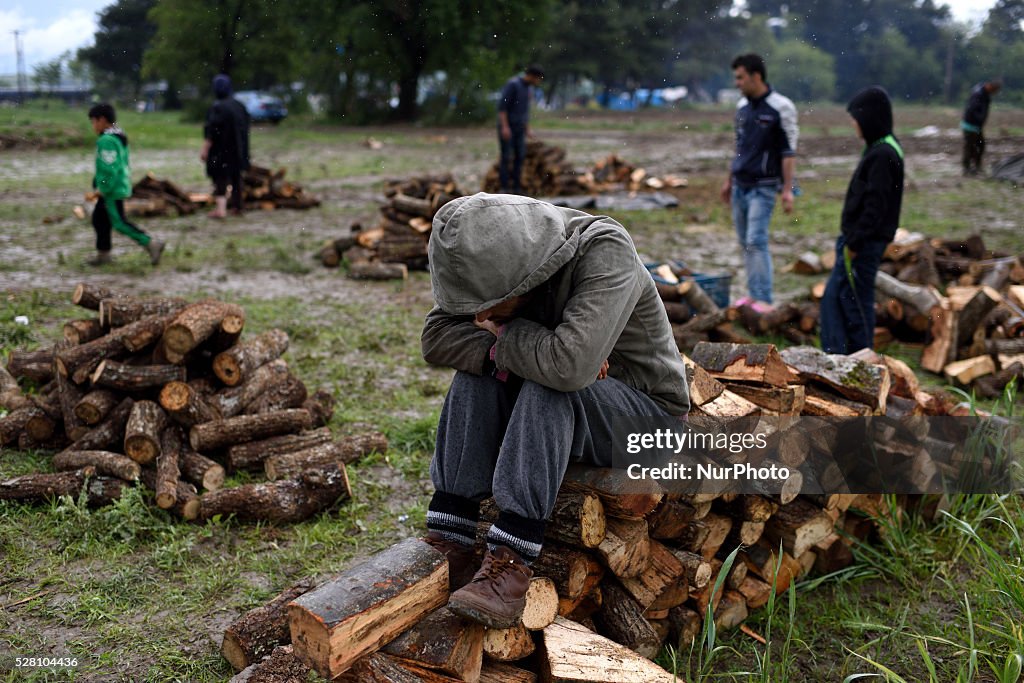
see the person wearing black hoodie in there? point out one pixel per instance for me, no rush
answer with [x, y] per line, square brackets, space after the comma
[871, 214]
[226, 147]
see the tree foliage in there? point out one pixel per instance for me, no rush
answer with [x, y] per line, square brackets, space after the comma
[123, 34]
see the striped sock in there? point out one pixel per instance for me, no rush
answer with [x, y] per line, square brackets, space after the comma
[524, 536]
[454, 517]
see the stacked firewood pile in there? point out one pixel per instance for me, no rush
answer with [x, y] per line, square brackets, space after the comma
[398, 242]
[154, 197]
[168, 394]
[268, 190]
[622, 573]
[547, 173]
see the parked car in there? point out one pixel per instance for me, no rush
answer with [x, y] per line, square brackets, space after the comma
[261, 106]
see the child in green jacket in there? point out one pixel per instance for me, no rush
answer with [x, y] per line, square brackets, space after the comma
[113, 183]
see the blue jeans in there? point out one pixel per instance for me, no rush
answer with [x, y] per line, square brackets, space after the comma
[751, 213]
[513, 151]
[848, 314]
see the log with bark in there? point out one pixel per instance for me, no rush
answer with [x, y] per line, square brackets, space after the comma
[104, 462]
[211, 436]
[280, 502]
[196, 323]
[743, 362]
[142, 432]
[443, 642]
[250, 456]
[257, 632]
[168, 471]
[43, 487]
[135, 378]
[235, 365]
[346, 450]
[34, 365]
[83, 330]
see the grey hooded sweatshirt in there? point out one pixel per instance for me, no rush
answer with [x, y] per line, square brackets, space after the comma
[595, 299]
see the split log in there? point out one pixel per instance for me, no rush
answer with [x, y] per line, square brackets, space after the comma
[89, 296]
[831, 555]
[211, 436]
[718, 527]
[185, 406]
[96, 405]
[578, 519]
[186, 503]
[257, 632]
[661, 584]
[861, 382]
[615, 489]
[696, 569]
[567, 568]
[368, 605]
[799, 525]
[808, 263]
[684, 627]
[42, 487]
[941, 350]
[232, 400]
[82, 331]
[280, 666]
[998, 347]
[541, 604]
[920, 297]
[972, 314]
[280, 502]
[134, 378]
[573, 654]
[383, 668]
[109, 433]
[732, 610]
[378, 271]
[626, 547]
[668, 520]
[749, 508]
[903, 381]
[445, 642]
[742, 362]
[508, 644]
[728, 405]
[621, 618]
[346, 450]
[998, 275]
[167, 470]
[787, 400]
[200, 470]
[34, 365]
[755, 592]
[237, 363]
[142, 432]
[499, 672]
[703, 387]
[247, 456]
[993, 386]
[196, 323]
[104, 462]
[963, 372]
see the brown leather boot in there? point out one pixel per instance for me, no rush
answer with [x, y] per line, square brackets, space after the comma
[497, 594]
[462, 559]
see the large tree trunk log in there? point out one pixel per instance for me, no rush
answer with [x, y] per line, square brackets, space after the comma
[133, 378]
[142, 432]
[573, 654]
[250, 456]
[345, 450]
[445, 642]
[236, 364]
[232, 401]
[34, 365]
[211, 436]
[197, 323]
[82, 331]
[108, 433]
[367, 606]
[257, 632]
[200, 470]
[119, 311]
[185, 406]
[167, 470]
[105, 462]
[96, 405]
[41, 487]
[282, 502]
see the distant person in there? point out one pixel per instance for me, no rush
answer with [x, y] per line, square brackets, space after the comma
[765, 162]
[975, 114]
[870, 216]
[514, 127]
[226, 148]
[113, 184]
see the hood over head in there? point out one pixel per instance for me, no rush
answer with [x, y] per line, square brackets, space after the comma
[872, 110]
[487, 248]
[221, 86]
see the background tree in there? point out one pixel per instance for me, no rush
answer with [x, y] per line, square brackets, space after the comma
[124, 33]
[48, 74]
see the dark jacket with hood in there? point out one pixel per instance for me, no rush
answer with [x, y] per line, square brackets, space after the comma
[976, 111]
[227, 128]
[594, 298]
[871, 211]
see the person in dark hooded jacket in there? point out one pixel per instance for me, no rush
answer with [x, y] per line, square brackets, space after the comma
[226, 147]
[555, 328]
[871, 214]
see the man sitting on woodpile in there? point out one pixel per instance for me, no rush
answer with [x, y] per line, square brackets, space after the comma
[555, 328]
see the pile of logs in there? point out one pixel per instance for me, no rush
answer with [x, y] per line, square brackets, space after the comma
[398, 242]
[154, 197]
[963, 303]
[622, 573]
[268, 190]
[168, 394]
[547, 173]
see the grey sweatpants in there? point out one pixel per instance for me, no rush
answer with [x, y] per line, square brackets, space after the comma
[514, 439]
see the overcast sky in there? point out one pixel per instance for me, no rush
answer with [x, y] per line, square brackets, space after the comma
[52, 26]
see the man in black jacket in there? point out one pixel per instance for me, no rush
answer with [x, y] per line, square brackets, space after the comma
[975, 114]
[226, 147]
[871, 214]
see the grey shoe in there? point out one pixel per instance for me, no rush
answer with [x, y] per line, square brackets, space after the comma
[101, 258]
[155, 249]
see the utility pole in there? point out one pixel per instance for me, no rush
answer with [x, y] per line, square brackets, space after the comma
[19, 52]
